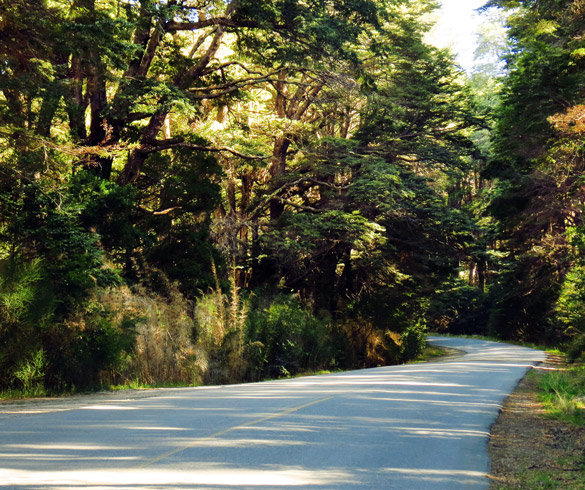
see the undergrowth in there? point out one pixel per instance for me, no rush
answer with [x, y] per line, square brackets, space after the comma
[563, 393]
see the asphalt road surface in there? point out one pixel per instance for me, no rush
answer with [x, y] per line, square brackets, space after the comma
[420, 426]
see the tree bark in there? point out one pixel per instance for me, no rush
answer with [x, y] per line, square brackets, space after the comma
[277, 171]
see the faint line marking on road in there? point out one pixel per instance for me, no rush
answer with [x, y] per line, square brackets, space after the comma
[231, 429]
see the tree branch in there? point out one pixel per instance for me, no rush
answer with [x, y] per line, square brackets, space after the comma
[174, 26]
[158, 145]
[298, 206]
[235, 83]
[275, 196]
[161, 212]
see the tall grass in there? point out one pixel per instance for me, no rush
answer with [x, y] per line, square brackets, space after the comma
[563, 392]
[164, 351]
[220, 321]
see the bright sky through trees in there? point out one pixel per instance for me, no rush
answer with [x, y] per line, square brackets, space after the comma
[457, 27]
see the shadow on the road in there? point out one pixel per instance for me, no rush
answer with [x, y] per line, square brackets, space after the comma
[382, 428]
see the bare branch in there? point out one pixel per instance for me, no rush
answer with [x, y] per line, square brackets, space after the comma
[298, 206]
[161, 212]
[200, 42]
[328, 184]
[287, 185]
[243, 82]
[234, 63]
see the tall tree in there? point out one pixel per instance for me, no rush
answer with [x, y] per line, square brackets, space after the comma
[538, 194]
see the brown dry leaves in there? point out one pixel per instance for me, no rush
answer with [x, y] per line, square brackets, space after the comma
[529, 451]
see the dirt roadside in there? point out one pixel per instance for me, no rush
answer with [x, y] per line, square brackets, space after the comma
[529, 451]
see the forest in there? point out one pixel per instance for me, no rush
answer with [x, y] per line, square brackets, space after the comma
[216, 191]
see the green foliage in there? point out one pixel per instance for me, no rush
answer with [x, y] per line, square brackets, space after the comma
[26, 309]
[220, 332]
[570, 304]
[325, 30]
[177, 242]
[286, 339]
[31, 373]
[44, 223]
[537, 167]
[91, 340]
[563, 392]
[458, 308]
[158, 337]
[570, 307]
[320, 148]
[413, 341]
[109, 209]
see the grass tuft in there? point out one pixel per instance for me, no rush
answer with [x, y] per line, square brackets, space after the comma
[563, 393]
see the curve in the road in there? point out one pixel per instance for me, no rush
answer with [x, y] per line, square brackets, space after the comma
[421, 426]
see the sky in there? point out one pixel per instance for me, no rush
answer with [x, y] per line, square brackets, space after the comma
[457, 27]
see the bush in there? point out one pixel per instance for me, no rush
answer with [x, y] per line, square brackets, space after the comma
[576, 347]
[570, 311]
[220, 321]
[31, 373]
[26, 309]
[94, 339]
[284, 339]
[163, 350]
[365, 345]
[458, 309]
[413, 341]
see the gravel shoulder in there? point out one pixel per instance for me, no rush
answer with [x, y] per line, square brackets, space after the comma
[530, 451]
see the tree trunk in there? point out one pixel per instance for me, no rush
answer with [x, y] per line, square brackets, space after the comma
[481, 274]
[75, 103]
[137, 157]
[277, 170]
[51, 101]
[98, 131]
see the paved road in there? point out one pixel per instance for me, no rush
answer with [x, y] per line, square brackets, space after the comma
[422, 426]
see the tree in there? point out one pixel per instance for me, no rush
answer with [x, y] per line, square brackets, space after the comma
[537, 166]
[319, 146]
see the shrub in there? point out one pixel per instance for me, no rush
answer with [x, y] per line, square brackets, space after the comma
[26, 309]
[31, 373]
[367, 346]
[413, 341]
[94, 339]
[458, 308]
[220, 321]
[163, 350]
[284, 338]
[570, 311]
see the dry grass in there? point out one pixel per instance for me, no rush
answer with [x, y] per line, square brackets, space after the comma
[528, 449]
[220, 321]
[165, 351]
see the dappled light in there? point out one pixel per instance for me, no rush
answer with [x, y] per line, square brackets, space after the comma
[213, 476]
[222, 192]
[417, 426]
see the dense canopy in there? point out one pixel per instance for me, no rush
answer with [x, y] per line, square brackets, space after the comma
[212, 191]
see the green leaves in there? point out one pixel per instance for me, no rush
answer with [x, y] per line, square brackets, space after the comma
[295, 32]
[538, 165]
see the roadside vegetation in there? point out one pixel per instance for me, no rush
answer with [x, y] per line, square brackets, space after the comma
[538, 440]
[563, 394]
[202, 191]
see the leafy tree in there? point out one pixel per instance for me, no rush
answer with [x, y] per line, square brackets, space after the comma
[315, 148]
[537, 166]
